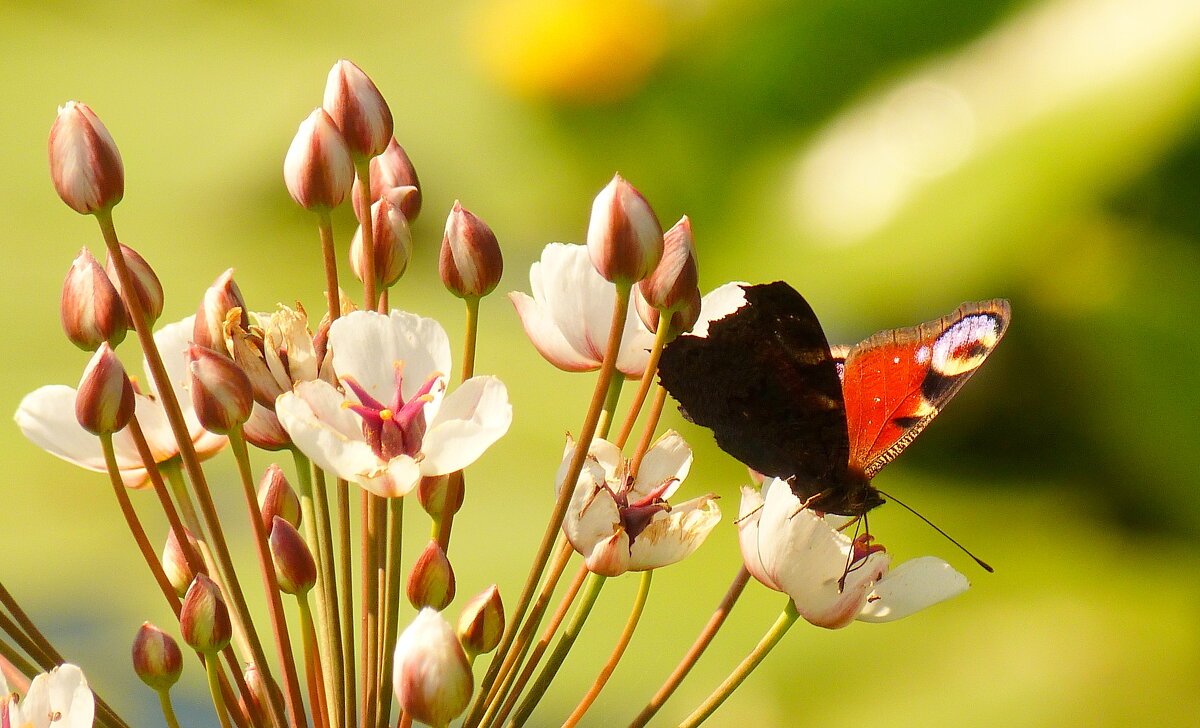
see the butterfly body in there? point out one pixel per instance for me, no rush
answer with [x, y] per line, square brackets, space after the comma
[777, 397]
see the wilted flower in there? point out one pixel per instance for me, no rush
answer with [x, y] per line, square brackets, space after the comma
[831, 579]
[569, 315]
[621, 521]
[212, 318]
[393, 425]
[624, 238]
[431, 676]
[318, 170]
[60, 698]
[358, 109]
[84, 162]
[47, 417]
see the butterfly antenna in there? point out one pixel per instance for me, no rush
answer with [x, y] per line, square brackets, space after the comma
[908, 508]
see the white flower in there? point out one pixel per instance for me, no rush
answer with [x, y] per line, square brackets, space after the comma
[60, 698]
[624, 524]
[430, 674]
[393, 425]
[570, 313]
[47, 417]
[800, 552]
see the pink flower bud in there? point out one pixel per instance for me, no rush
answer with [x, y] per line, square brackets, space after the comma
[675, 282]
[294, 566]
[263, 431]
[432, 493]
[431, 676]
[258, 695]
[91, 308]
[431, 581]
[389, 171]
[84, 162]
[481, 622]
[175, 564]
[682, 320]
[156, 657]
[276, 498]
[358, 109]
[204, 618]
[318, 170]
[104, 403]
[221, 393]
[208, 329]
[624, 238]
[145, 282]
[393, 244]
[470, 261]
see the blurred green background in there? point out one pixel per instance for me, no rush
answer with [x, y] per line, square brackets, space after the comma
[890, 158]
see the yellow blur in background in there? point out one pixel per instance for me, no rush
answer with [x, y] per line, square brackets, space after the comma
[890, 159]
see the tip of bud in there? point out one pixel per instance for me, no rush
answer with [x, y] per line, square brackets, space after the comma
[277, 498]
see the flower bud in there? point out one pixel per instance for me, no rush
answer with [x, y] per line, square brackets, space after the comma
[263, 430]
[682, 320]
[145, 282]
[431, 581]
[470, 261]
[358, 109]
[175, 564]
[208, 329]
[156, 657]
[432, 493]
[91, 309]
[430, 674]
[221, 393]
[624, 238]
[276, 498]
[84, 162]
[390, 171]
[204, 618]
[675, 281]
[318, 170]
[104, 402]
[258, 695]
[481, 622]
[392, 248]
[294, 566]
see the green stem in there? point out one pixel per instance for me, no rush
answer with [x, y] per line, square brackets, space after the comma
[391, 613]
[647, 381]
[317, 698]
[610, 405]
[164, 699]
[346, 588]
[443, 524]
[330, 594]
[210, 667]
[329, 257]
[786, 619]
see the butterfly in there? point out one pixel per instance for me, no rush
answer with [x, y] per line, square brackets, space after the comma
[780, 399]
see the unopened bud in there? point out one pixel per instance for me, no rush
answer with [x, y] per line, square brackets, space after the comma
[318, 170]
[208, 329]
[221, 393]
[392, 248]
[675, 281]
[104, 402]
[624, 239]
[157, 659]
[358, 109]
[431, 581]
[175, 563]
[258, 695]
[431, 675]
[276, 498]
[481, 622]
[295, 569]
[682, 320]
[91, 308]
[433, 493]
[263, 430]
[389, 171]
[84, 162]
[145, 282]
[470, 262]
[204, 618]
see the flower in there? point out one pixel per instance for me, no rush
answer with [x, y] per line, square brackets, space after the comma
[621, 522]
[85, 165]
[431, 675]
[570, 312]
[801, 552]
[393, 424]
[60, 698]
[47, 417]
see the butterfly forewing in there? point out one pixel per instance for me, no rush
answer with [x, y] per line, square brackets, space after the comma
[895, 382]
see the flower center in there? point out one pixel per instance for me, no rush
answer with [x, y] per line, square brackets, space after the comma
[637, 515]
[396, 428]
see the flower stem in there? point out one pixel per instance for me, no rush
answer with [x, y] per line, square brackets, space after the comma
[566, 641]
[330, 594]
[697, 649]
[317, 697]
[454, 483]
[647, 381]
[164, 699]
[369, 608]
[786, 619]
[656, 408]
[391, 613]
[346, 584]
[362, 168]
[591, 420]
[210, 668]
[635, 615]
[329, 255]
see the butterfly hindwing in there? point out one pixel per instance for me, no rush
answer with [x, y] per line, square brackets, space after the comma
[896, 382]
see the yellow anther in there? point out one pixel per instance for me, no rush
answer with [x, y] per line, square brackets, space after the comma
[385, 414]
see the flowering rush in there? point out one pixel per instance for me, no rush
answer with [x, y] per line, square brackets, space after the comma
[367, 405]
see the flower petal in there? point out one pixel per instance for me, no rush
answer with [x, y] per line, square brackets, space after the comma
[470, 420]
[669, 457]
[545, 336]
[610, 557]
[673, 535]
[396, 479]
[366, 346]
[592, 515]
[327, 433]
[748, 535]
[911, 587]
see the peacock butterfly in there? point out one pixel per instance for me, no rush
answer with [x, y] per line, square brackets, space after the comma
[780, 399]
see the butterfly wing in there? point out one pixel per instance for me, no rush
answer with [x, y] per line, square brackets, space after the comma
[896, 382]
[764, 381]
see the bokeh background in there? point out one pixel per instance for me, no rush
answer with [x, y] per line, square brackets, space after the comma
[889, 158]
